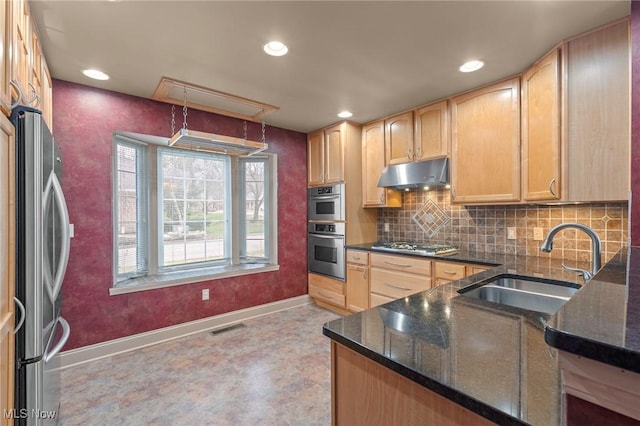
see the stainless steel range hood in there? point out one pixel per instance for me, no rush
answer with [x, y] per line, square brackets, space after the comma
[431, 173]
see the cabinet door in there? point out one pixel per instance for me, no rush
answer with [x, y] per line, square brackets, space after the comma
[485, 163]
[357, 286]
[46, 101]
[7, 258]
[431, 131]
[334, 154]
[372, 164]
[315, 158]
[541, 129]
[597, 158]
[6, 40]
[21, 68]
[398, 134]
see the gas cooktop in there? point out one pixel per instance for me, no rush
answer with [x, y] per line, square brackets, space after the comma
[429, 249]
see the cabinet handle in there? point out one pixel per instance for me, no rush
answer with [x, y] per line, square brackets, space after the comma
[382, 197]
[419, 152]
[397, 264]
[453, 193]
[449, 272]
[398, 287]
[551, 187]
[410, 154]
[364, 273]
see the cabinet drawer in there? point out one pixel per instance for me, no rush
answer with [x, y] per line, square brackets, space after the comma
[358, 256]
[408, 264]
[327, 290]
[476, 269]
[450, 271]
[397, 284]
[377, 300]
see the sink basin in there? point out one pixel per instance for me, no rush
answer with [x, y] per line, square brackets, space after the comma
[532, 294]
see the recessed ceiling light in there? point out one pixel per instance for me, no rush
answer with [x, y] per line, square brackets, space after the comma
[95, 74]
[276, 48]
[345, 114]
[471, 66]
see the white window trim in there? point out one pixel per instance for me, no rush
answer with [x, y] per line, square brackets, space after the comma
[156, 279]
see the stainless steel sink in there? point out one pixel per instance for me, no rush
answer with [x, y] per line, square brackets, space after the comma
[532, 294]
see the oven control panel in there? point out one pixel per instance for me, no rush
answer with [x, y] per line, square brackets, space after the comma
[326, 228]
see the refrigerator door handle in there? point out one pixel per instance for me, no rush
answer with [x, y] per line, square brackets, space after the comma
[22, 314]
[54, 184]
[66, 331]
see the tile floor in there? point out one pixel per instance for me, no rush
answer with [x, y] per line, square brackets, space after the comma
[274, 371]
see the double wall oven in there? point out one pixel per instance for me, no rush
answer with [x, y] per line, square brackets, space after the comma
[326, 230]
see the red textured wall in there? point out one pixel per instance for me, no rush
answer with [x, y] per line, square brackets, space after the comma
[84, 121]
[635, 123]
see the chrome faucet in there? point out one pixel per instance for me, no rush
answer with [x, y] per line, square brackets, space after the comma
[596, 247]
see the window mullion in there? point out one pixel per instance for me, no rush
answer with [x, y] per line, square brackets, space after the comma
[153, 223]
[235, 211]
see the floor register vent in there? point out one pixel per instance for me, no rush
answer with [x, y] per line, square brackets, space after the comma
[228, 328]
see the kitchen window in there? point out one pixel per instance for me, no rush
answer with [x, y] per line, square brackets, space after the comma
[183, 216]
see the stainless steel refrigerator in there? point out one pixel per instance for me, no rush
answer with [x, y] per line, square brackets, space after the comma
[42, 254]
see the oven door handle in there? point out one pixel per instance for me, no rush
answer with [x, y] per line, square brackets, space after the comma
[325, 197]
[328, 237]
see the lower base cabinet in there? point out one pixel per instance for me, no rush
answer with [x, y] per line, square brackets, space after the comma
[597, 393]
[327, 292]
[365, 393]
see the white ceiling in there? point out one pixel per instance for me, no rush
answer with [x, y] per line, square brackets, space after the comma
[373, 58]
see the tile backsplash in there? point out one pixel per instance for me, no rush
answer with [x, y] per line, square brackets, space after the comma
[484, 228]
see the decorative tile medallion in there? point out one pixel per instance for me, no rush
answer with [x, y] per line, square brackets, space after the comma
[430, 218]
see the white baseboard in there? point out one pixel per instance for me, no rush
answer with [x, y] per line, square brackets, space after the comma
[90, 353]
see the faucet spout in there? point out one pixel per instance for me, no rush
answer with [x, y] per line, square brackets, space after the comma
[596, 245]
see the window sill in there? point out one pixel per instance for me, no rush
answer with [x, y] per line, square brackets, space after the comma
[171, 279]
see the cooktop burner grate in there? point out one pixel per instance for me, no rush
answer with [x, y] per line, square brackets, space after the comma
[431, 249]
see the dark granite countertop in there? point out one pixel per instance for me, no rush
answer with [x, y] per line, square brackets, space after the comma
[602, 320]
[493, 359]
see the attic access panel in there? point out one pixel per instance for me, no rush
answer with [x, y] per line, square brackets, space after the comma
[172, 91]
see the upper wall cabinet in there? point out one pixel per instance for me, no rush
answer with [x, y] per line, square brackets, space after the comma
[541, 129]
[325, 156]
[596, 150]
[24, 76]
[485, 144]
[373, 162]
[398, 138]
[431, 133]
[329, 149]
[6, 40]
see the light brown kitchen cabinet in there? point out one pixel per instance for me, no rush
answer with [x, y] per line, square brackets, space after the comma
[7, 269]
[431, 133]
[485, 144]
[373, 161]
[541, 130]
[315, 158]
[393, 277]
[327, 292]
[6, 45]
[596, 99]
[448, 271]
[357, 285]
[46, 96]
[398, 138]
[21, 48]
[326, 153]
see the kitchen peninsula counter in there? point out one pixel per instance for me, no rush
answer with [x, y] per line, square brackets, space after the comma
[493, 359]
